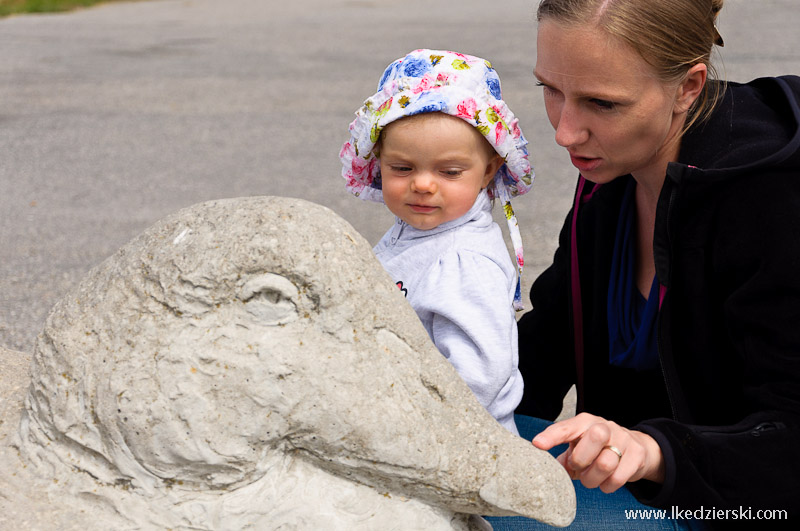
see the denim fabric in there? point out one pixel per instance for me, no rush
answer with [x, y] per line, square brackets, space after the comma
[597, 511]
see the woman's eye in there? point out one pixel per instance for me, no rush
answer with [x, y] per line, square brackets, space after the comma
[548, 91]
[603, 104]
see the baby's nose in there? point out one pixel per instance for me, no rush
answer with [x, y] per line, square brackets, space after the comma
[424, 183]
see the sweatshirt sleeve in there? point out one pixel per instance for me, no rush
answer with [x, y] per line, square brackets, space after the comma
[468, 299]
[751, 459]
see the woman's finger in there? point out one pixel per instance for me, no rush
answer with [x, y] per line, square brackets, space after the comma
[595, 460]
[601, 469]
[590, 445]
[564, 431]
[628, 465]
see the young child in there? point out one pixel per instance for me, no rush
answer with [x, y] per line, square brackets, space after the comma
[436, 144]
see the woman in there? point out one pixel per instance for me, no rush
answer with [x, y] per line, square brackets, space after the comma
[673, 302]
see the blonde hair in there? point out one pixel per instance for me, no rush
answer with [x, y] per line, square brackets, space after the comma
[670, 35]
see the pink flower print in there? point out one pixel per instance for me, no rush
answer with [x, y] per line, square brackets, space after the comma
[499, 115]
[516, 132]
[520, 259]
[443, 78]
[500, 133]
[467, 108]
[424, 84]
[371, 170]
[347, 151]
[358, 166]
[384, 108]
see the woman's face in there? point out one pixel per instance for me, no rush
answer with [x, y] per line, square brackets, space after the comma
[608, 107]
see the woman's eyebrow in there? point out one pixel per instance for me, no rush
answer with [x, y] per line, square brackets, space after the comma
[594, 94]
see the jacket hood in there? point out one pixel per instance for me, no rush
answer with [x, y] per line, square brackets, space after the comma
[756, 125]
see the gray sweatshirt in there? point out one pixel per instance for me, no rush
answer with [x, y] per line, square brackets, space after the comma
[460, 280]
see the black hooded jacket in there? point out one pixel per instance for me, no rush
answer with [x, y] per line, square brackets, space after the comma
[725, 404]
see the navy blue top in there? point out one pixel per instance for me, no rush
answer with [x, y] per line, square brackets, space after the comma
[631, 318]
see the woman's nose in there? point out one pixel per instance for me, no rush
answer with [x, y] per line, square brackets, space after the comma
[424, 183]
[570, 129]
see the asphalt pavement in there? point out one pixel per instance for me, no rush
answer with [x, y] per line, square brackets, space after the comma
[115, 116]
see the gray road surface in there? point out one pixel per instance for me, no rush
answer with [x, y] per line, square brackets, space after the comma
[113, 117]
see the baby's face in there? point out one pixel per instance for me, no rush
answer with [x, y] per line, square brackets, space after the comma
[432, 168]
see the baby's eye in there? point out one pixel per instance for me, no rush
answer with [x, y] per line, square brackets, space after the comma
[400, 169]
[452, 173]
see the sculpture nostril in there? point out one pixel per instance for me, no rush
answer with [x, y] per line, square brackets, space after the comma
[433, 389]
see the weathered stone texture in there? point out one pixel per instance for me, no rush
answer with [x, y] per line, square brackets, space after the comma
[248, 363]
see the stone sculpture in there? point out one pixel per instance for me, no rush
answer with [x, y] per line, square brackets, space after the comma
[247, 363]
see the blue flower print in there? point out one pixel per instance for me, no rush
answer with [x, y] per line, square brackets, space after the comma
[389, 72]
[494, 87]
[429, 102]
[416, 67]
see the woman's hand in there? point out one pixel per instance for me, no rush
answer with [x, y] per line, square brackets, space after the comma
[595, 446]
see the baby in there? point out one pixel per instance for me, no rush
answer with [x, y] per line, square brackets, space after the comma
[437, 144]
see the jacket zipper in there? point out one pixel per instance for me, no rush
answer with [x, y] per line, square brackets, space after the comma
[764, 427]
[664, 372]
[397, 230]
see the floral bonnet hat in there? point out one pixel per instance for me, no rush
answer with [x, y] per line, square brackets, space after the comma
[453, 83]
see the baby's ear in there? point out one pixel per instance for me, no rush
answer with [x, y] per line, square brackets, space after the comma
[491, 169]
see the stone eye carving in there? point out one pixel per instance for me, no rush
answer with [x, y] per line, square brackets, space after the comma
[271, 298]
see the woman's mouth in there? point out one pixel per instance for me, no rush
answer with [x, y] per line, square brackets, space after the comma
[585, 164]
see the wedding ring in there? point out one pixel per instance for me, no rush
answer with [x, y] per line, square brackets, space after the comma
[614, 449]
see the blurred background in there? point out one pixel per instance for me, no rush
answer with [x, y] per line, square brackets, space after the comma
[114, 116]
